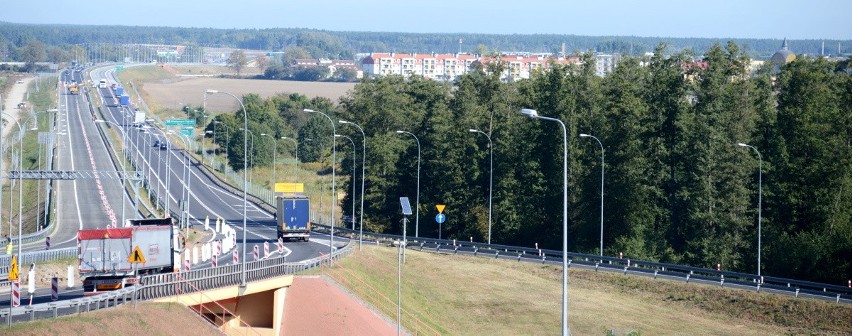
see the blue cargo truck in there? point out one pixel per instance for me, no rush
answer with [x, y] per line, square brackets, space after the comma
[293, 217]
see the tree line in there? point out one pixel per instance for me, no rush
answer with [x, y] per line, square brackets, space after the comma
[61, 41]
[677, 188]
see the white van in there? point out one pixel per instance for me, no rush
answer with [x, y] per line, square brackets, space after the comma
[102, 84]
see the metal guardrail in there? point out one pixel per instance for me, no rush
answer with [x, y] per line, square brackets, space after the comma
[27, 258]
[625, 265]
[169, 284]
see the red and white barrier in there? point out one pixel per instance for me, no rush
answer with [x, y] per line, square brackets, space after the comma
[16, 293]
[54, 289]
[236, 256]
[281, 245]
[265, 250]
[195, 254]
[256, 253]
[718, 267]
[186, 264]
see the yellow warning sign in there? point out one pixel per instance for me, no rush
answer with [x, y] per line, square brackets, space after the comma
[289, 187]
[136, 256]
[440, 207]
[13, 269]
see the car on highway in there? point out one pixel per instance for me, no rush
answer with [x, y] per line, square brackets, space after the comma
[156, 143]
[163, 146]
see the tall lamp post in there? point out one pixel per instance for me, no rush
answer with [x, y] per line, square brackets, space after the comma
[333, 163]
[759, 200]
[534, 114]
[274, 151]
[602, 183]
[187, 183]
[252, 154]
[245, 177]
[417, 201]
[295, 165]
[490, 178]
[363, 164]
[123, 169]
[352, 182]
[21, 186]
[216, 149]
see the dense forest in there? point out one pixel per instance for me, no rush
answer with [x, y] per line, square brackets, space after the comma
[678, 188]
[346, 44]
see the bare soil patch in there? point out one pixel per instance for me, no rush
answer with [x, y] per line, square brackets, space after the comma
[316, 307]
[174, 94]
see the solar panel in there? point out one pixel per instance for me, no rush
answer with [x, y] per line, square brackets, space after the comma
[406, 207]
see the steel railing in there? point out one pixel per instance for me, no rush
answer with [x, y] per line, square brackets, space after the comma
[171, 284]
[624, 265]
[33, 257]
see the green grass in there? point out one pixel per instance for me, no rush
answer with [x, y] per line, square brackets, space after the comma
[40, 100]
[458, 295]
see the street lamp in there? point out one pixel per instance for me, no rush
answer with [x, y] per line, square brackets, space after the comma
[352, 181]
[333, 163]
[123, 169]
[245, 177]
[363, 164]
[274, 151]
[21, 185]
[490, 178]
[251, 175]
[203, 138]
[602, 183]
[38, 187]
[215, 150]
[534, 114]
[417, 212]
[759, 200]
[295, 165]
[187, 182]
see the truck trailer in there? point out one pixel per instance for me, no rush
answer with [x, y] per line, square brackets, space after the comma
[114, 258]
[293, 217]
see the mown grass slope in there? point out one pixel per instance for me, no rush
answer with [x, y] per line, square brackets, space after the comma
[463, 295]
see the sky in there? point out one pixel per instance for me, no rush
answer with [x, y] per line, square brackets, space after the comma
[793, 19]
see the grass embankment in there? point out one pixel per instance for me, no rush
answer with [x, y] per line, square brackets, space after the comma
[144, 319]
[42, 97]
[462, 295]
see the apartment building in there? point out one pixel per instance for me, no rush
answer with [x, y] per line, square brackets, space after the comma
[448, 67]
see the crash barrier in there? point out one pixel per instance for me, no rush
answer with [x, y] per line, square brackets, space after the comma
[837, 293]
[27, 258]
[170, 284]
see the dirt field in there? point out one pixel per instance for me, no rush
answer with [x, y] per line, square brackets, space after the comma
[175, 94]
[314, 306]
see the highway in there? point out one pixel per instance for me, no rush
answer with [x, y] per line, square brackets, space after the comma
[82, 203]
[96, 202]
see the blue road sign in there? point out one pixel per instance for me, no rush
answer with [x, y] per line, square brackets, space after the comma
[440, 218]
